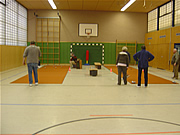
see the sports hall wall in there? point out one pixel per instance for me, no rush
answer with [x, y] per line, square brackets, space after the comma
[112, 26]
[11, 57]
[161, 44]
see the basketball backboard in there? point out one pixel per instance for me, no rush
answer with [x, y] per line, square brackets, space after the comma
[88, 29]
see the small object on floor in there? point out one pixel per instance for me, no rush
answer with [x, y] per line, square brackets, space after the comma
[173, 82]
[133, 82]
[111, 70]
[93, 72]
[69, 69]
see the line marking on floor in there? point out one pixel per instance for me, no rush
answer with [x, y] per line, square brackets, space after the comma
[13, 76]
[158, 104]
[145, 133]
[101, 118]
[111, 115]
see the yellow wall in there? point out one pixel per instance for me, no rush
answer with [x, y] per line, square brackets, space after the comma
[11, 57]
[161, 45]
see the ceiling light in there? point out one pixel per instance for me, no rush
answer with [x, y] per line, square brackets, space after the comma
[127, 5]
[51, 2]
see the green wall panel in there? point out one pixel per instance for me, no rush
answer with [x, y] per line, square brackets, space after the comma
[96, 53]
[139, 47]
[109, 53]
[65, 52]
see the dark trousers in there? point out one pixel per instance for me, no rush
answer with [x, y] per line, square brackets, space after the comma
[175, 68]
[123, 70]
[145, 75]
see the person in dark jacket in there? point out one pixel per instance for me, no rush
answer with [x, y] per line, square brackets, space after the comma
[143, 57]
[122, 64]
[73, 60]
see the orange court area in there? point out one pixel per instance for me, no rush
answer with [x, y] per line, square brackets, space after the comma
[47, 75]
[133, 76]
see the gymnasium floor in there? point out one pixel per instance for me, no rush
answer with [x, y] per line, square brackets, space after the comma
[86, 105]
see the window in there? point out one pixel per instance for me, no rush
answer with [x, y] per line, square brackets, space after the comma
[3, 1]
[152, 20]
[2, 24]
[165, 19]
[22, 26]
[177, 12]
[13, 24]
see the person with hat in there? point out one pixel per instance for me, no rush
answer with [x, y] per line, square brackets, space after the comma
[122, 63]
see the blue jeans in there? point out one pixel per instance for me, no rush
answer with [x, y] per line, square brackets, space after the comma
[34, 67]
[145, 76]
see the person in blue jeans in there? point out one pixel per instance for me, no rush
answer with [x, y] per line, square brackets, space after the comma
[143, 57]
[32, 53]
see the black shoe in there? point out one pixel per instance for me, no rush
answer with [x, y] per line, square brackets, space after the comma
[118, 84]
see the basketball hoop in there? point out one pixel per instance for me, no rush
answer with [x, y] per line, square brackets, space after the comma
[88, 35]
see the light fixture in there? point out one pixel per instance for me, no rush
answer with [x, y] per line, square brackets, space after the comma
[51, 2]
[127, 5]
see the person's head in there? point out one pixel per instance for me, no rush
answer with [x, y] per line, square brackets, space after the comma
[124, 49]
[143, 47]
[174, 50]
[32, 43]
[72, 54]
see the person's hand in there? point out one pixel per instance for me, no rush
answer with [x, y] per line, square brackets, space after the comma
[174, 64]
[24, 63]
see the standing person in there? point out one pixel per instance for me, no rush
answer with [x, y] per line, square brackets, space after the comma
[73, 60]
[122, 64]
[175, 63]
[143, 57]
[32, 53]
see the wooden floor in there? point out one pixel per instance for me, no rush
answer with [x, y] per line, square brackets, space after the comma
[88, 105]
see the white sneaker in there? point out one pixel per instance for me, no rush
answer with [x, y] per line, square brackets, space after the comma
[36, 84]
[30, 85]
[138, 86]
